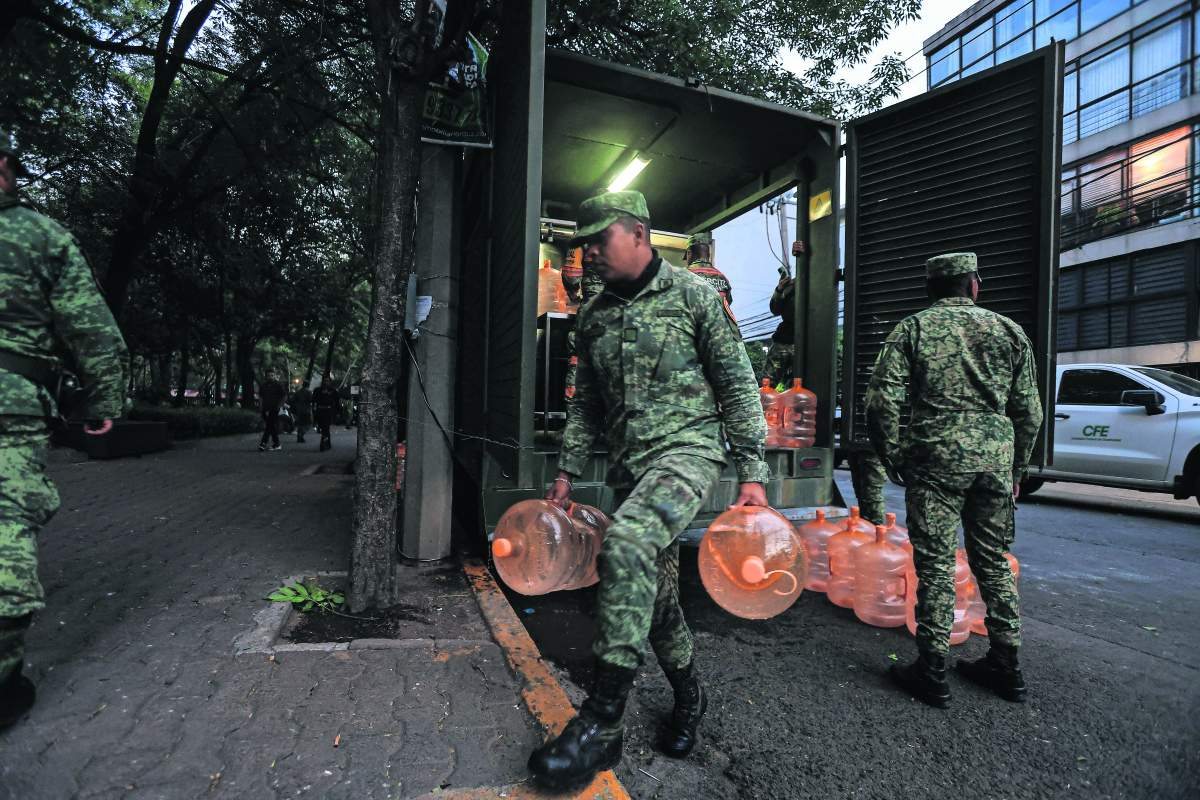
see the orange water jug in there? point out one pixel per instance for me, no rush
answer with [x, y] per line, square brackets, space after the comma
[752, 563]
[976, 608]
[880, 581]
[897, 534]
[549, 289]
[771, 410]
[857, 523]
[798, 420]
[841, 546]
[961, 628]
[815, 536]
[539, 548]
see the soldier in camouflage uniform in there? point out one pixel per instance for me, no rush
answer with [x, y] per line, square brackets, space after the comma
[51, 312]
[582, 284]
[975, 416]
[698, 258]
[661, 368]
[781, 358]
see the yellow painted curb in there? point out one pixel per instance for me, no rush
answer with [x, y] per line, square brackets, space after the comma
[544, 698]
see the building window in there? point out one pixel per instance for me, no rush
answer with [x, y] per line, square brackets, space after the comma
[1017, 29]
[1130, 76]
[1148, 183]
[1148, 297]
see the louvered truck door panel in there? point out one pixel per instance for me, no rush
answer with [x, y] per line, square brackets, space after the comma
[970, 166]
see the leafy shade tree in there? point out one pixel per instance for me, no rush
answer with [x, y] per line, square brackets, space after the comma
[739, 45]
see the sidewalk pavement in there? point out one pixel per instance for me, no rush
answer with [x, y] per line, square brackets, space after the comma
[155, 565]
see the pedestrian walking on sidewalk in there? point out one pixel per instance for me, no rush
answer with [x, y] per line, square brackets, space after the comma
[54, 314]
[972, 386]
[326, 403]
[271, 397]
[661, 368]
[302, 402]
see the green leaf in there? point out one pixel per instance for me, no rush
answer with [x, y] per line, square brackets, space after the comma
[337, 598]
[279, 597]
[1149, 628]
[307, 606]
[894, 657]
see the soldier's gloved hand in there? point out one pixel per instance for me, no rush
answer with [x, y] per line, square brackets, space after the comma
[894, 477]
[751, 494]
[97, 427]
[559, 492]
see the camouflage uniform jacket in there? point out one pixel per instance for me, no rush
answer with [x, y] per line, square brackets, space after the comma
[652, 371]
[704, 268]
[972, 386]
[51, 309]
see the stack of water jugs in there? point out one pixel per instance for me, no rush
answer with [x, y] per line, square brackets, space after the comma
[869, 568]
[752, 561]
[791, 415]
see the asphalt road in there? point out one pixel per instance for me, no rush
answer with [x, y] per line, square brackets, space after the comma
[801, 705]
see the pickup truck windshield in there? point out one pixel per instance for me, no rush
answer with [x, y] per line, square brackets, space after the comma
[1180, 383]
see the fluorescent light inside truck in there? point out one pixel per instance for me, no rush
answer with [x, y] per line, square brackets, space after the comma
[628, 174]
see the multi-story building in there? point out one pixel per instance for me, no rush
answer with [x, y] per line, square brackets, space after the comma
[1130, 261]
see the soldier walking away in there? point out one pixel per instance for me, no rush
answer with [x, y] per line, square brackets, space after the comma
[326, 404]
[781, 357]
[975, 416]
[698, 258]
[302, 402]
[271, 397]
[53, 312]
[661, 368]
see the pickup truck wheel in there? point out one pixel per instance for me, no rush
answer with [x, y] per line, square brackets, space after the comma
[1029, 486]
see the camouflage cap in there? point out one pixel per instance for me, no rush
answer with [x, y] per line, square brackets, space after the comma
[952, 264]
[597, 213]
[703, 237]
[7, 149]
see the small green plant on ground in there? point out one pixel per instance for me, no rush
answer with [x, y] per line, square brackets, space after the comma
[307, 595]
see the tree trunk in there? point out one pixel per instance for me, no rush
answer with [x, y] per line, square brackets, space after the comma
[312, 357]
[185, 358]
[373, 557]
[245, 370]
[333, 340]
[230, 374]
[135, 228]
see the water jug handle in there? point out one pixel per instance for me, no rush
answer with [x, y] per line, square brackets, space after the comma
[795, 582]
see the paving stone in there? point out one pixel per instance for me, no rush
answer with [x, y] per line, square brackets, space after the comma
[156, 565]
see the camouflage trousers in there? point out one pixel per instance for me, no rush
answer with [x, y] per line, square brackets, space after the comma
[781, 363]
[639, 564]
[572, 366]
[28, 500]
[868, 477]
[983, 501]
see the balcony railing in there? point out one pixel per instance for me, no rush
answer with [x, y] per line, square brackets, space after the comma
[1165, 197]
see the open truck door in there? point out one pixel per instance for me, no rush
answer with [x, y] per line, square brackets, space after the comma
[565, 126]
[971, 166]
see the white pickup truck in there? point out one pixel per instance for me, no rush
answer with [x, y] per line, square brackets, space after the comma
[1125, 426]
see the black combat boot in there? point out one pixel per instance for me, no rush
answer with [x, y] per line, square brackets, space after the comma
[924, 679]
[678, 735]
[17, 696]
[999, 671]
[592, 741]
